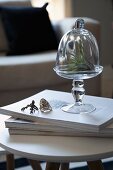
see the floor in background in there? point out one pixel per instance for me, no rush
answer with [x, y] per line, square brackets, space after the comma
[72, 166]
[82, 165]
[22, 164]
[24, 168]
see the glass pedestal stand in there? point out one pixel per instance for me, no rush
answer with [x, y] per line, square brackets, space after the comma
[78, 59]
[78, 93]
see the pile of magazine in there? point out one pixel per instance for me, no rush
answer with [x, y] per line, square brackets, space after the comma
[98, 123]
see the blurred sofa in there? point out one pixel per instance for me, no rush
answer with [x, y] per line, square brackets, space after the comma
[25, 75]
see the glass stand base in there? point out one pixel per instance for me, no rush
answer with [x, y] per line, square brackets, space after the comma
[77, 109]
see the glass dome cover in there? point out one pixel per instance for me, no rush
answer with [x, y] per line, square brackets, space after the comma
[78, 54]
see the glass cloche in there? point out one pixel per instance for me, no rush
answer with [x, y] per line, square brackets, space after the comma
[78, 59]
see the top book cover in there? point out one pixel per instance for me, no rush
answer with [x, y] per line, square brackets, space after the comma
[94, 121]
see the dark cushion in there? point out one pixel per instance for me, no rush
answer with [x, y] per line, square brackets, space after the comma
[28, 30]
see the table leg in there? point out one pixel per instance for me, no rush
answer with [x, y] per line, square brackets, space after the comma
[10, 161]
[64, 166]
[95, 165]
[35, 164]
[52, 166]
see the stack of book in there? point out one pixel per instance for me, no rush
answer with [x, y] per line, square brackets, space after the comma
[98, 123]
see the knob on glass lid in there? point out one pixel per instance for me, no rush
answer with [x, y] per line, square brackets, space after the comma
[78, 59]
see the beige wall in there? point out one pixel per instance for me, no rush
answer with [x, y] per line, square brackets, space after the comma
[56, 8]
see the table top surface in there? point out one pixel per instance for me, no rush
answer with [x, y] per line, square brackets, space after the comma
[55, 148]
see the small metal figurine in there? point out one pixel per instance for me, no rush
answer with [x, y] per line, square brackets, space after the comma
[32, 106]
[45, 106]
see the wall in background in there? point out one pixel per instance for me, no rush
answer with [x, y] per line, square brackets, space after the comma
[101, 10]
[56, 8]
